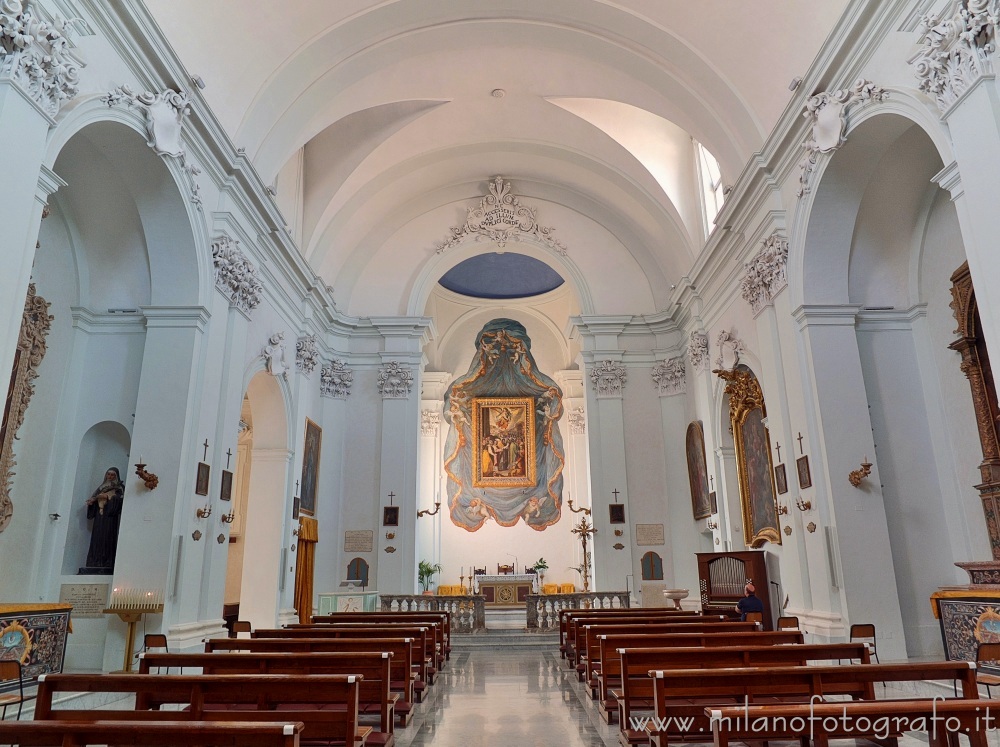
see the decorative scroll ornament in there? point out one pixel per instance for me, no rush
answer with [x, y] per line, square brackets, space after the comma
[235, 277]
[669, 377]
[609, 378]
[827, 112]
[500, 217]
[956, 49]
[165, 112]
[274, 355]
[698, 351]
[335, 379]
[730, 350]
[35, 54]
[430, 422]
[35, 325]
[394, 380]
[306, 354]
[577, 421]
[765, 274]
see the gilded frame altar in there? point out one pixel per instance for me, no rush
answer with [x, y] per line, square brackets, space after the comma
[758, 497]
[503, 442]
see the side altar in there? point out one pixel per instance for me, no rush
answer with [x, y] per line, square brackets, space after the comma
[970, 614]
[506, 590]
[348, 601]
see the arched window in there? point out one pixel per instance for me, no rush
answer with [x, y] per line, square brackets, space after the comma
[712, 191]
[652, 567]
[357, 570]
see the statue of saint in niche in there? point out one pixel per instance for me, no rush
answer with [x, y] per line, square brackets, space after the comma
[104, 509]
[504, 455]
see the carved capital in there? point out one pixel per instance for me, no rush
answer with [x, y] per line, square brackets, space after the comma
[235, 277]
[670, 377]
[395, 380]
[577, 421]
[609, 378]
[956, 49]
[501, 217]
[35, 54]
[335, 379]
[698, 351]
[765, 275]
[430, 422]
[306, 354]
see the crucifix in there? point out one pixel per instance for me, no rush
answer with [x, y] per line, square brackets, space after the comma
[296, 487]
[615, 494]
[205, 457]
[391, 496]
[800, 443]
[585, 530]
[711, 482]
[229, 454]
[777, 448]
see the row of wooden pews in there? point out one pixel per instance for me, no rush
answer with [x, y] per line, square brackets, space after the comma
[344, 680]
[665, 676]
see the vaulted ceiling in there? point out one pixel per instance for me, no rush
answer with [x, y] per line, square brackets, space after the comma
[382, 121]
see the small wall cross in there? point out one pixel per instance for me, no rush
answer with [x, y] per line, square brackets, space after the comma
[205, 457]
[391, 496]
[615, 494]
[800, 443]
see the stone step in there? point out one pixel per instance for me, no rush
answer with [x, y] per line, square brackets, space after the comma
[505, 639]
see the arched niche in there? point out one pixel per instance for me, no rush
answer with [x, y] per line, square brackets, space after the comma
[357, 570]
[104, 445]
[652, 567]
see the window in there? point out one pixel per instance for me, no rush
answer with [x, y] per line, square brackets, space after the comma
[710, 177]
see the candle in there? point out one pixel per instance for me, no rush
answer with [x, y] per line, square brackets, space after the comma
[140, 459]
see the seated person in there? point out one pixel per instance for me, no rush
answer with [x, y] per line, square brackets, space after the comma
[749, 603]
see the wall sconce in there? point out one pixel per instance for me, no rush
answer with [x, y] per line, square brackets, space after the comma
[204, 513]
[54, 517]
[227, 518]
[782, 509]
[584, 511]
[428, 512]
[856, 476]
[150, 480]
[803, 505]
[713, 525]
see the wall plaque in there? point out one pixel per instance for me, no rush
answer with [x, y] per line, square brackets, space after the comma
[359, 540]
[649, 534]
[88, 600]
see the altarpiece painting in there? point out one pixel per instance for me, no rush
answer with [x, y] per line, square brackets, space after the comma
[753, 457]
[698, 470]
[504, 455]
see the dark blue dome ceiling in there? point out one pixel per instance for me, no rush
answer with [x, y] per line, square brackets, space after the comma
[500, 276]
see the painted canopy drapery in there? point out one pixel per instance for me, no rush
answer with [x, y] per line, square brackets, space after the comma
[523, 454]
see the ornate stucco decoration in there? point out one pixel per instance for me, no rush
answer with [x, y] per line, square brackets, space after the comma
[165, 112]
[669, 377]
[730, 349]
[35, 325]
[698, 351]
[577, 421]
[235, 277]
[35, 54]
[430, 422]
[956, 49]
[827, 112]
[394, 380]
[500, 217]
[274, 355]
[765, 274]
[306, 354]
[609, 378]
[335, 379]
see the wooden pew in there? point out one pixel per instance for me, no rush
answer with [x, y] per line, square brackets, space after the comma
[941, 719]
[374, 694]
[423, 636]
[589, 645]
[565, 616]
[327, 705]
[436, 627]
[166, 733]
[688, 693]
[414, 616]
[400, 648]
[634, 694]
[576, 650]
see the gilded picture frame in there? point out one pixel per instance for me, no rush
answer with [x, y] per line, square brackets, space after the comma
[310, 468]
[758, 497]
[503, 448]
[694, 442]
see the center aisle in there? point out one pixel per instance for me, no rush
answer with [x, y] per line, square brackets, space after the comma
[516, 697]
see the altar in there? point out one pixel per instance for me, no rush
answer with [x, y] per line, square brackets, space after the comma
[506, 590]
[347, 601]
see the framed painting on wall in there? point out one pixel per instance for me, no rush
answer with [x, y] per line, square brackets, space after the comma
[226, 488]
[753, 457]
[697, 470]
[503, 442]
[616, 513]
[805, 477]
[202, 478]
[310, 468]
[780, 479]
[390, 516]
